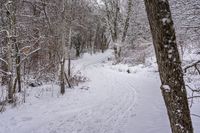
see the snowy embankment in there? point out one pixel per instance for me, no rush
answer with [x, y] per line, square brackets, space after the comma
[116, 102]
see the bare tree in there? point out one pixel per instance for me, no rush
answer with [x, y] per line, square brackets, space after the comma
[112, 14]
[128, 16]
[169, 64]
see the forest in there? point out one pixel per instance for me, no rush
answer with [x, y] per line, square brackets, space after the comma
[99, 66]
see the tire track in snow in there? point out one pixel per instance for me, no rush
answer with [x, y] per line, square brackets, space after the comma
[120, 104]
[113, 102]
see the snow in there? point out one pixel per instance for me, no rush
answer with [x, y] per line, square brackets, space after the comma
[116, 102]
[166, 21]
[166, 88]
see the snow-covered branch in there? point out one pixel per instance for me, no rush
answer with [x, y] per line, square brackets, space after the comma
[4, 61]
[29, 55]
[4, 72]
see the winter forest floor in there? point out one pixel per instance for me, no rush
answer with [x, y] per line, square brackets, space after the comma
[112, 101]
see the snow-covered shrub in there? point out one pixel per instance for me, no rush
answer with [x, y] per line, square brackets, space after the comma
[77, 78]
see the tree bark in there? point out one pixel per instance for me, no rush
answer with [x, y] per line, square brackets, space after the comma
[10, 70]
[126, 25]
[115, 23]
[10, 14]
[63, 43]
[169, 64]
[17, 52]
[62, 77]
[4, 67]
[112, 18]
[18, 67]
[69, 52]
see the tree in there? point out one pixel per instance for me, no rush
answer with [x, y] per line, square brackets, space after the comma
[63, 43]
[126, 25]
[112, 14]
[169, 64]
[10, 7]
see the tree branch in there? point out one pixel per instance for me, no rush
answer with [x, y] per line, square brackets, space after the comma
[4, 61]
[194, 64]
[28, 56]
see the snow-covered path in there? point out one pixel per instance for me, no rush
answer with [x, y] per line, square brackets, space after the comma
[116, 102]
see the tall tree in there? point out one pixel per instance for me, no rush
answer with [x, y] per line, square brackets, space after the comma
[63, 43]
[169, 64]
[126, 25]
[112, 13]
[10, 8]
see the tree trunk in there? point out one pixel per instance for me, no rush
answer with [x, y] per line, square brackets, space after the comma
[18, 68]
[112, 18]
[62, 77]
[10, 14]
[126, 25]
[169, 64]
[63, 50]
[78, 51]
[115, 23]
[17, 58]
[69, 52]
[10, 76]
[69, 66]
[4, 79]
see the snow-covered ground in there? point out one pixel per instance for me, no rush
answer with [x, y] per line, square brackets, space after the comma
[114, 102]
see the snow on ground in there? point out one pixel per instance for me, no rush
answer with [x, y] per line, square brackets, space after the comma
[116, 102]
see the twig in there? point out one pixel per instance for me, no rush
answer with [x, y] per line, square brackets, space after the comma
[196, 115]
[194, 64]
[4, 72]
[4, 61]
[28, 55]
[193, 97]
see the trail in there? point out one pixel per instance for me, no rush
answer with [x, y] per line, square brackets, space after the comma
[116, 102]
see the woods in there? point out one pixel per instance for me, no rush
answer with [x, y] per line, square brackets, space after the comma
[39, 34]
[59, 48]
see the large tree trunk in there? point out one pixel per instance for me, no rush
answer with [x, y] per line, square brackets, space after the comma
[169, 64]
